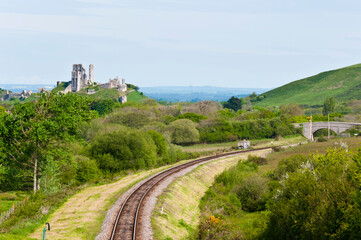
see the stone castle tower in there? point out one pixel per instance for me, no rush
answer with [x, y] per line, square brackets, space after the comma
[91, 74]
[79, 78]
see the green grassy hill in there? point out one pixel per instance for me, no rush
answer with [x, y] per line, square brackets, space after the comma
[342, 84]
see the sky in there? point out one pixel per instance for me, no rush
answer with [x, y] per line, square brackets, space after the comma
[228, 43]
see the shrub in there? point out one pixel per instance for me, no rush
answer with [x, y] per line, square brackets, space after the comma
[87, 169]
[321, 200]
[183, 131]
[124, 149]
[103, 106]
[257, 160]
[288, 166]
[321, 139]
[253, 193]
[192, 116]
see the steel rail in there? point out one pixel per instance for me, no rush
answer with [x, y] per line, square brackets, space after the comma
[167, 173]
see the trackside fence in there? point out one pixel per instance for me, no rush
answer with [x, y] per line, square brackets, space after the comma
[6, 214]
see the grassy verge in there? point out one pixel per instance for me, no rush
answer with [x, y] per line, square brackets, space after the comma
[176, 214]
[82, 215]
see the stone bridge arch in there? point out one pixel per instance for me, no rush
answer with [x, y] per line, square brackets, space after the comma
[337, 127]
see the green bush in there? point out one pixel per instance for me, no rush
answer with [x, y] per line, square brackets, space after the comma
[87, 169]
[224, 131]
[192, 116]
[124, 149]
[183, 131]
[289, 165]
[257, 160]
[103, 106]
[253, 193]
[320, 200]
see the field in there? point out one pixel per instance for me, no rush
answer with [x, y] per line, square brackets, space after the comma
[343, 84]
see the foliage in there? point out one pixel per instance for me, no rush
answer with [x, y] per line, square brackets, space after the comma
[288, 165]
[257, 160]
[234, 103]
[87, 169]
[159, 142]
[192, 116]
[254, 98]
[291, 109]
[103, 106]
[183, 131]
[253, 193]
[329, 185]
[134, 119]
[124, 149]
[328, 106]
[37, 131]
[323, 132]
[221, 206]
[2, 109]
[224, 131]
[61, 87]
[315, 118]
[131, 86]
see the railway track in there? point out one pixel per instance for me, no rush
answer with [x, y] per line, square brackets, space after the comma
[126, 224]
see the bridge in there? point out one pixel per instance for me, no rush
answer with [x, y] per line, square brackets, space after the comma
[337, 127]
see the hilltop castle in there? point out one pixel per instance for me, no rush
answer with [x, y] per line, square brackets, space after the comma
[80, 80]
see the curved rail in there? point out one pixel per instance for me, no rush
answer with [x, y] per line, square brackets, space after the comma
[132, 204]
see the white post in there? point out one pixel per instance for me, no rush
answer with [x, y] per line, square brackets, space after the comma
[311, 135]
[328, 124]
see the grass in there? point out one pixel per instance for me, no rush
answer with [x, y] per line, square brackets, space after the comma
[103, 94]
[135, 97]
[343, 84]
[7, 199]
[180, 215]
[317, 147]
[82, 215]
[61, 87]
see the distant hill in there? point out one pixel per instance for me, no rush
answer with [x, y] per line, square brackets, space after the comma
[342, 84]
[196, 93]
[20, 87]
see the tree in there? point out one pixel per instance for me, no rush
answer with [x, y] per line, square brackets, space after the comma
[34, 130]
[103, 106]
[291, 109]
[234, 103]
[328, 106]
[183, 131]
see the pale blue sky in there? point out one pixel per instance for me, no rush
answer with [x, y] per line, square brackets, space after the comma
[229, 43]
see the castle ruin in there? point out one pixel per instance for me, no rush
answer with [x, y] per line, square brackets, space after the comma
[79, 78]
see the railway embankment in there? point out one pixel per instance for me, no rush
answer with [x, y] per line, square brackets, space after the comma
[176, 213]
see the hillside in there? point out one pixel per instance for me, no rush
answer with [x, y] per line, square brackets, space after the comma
[342, 84]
